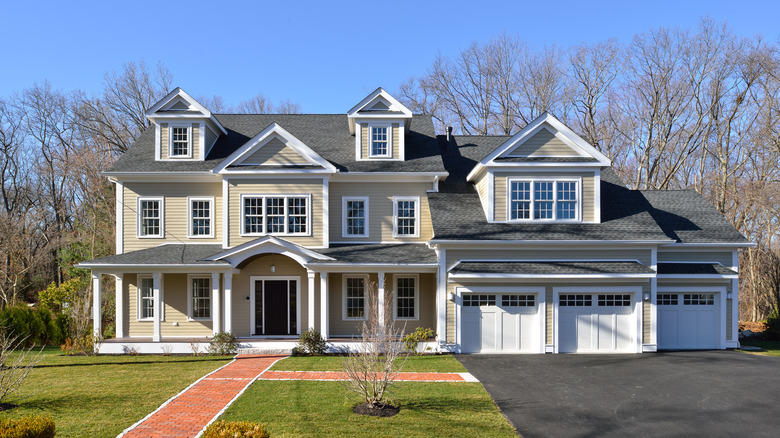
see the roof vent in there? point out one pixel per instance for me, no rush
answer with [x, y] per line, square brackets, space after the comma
[449, 133]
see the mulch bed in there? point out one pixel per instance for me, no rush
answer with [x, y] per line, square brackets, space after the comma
[378, 411]
[755, 327]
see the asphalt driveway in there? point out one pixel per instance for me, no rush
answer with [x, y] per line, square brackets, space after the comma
[690, 393]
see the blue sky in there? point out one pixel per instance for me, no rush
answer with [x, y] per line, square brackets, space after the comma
[324, 55]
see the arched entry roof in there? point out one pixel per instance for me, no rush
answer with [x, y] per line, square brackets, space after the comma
[269, 245]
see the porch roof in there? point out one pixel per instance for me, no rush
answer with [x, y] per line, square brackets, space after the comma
[391, 254]
[550, 268]
[694, 269]
[167, 254]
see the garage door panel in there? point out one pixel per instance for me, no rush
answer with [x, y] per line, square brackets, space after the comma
[500, 322]
[529, 334]
[488, 327]
[594, 323]
[688, 320]
[509, 331]
[623, 339]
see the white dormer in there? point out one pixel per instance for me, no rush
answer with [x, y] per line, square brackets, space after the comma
[379, 123]
[543, 174]
[184, 129]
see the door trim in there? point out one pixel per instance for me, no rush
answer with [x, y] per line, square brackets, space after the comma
[255, 278]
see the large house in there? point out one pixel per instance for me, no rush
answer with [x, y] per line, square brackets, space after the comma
[267, 225]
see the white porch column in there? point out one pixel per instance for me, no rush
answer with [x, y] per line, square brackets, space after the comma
[228, 285]
[120, 308]
[216, 317]
[381, 298]
[97, 325]
[157, 313]
[324, 305]
[441, 296]
[310, 322]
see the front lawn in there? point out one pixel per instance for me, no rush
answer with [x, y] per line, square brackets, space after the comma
[423, 363]
[99, 396]
[768, 348]
[314, 408]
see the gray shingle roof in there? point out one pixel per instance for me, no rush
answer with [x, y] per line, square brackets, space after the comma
[551, 268]
[173, 254]
[380, 253]
[326, 134]
[694, 268]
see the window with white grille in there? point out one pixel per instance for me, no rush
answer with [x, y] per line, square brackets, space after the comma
[145, 298]
[286, 215]
[406, 297]
[614, 300]
[476, 300]
[699, 299]
[406, 216]
[200, 297]
[517, 300]
[201, 217]
[150, 217]
[531, 199]
[667, 299]
[575, 300]
[355, 212]
[380, 141]
[354, 298]
[180, 141]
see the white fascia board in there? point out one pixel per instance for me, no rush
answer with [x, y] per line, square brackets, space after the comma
[372, 267]
[178, 92]
[525, 166]
[545, 276]
[699, 276]
[228, 172]
[142, 267]
[730, 245]
[293, 247]
[204, 176]
[564, 260]
[389, 176]
[544, 243]
[274, 128]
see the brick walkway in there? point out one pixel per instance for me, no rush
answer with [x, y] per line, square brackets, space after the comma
[186, 414]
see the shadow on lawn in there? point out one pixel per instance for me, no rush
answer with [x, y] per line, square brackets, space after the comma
[145, 362]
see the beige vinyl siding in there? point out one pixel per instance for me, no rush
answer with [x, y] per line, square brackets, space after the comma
[588, 191]
[729, 320]
[451, 327]
[275, 152]
[380, 209]
[543, 143]
[365, 141]
[176, 212]
[211, 137]
[723, 257]
[647, 320]
[261, 267]
[174, 291]
[195, 142]
[482, 190]
[303, 186]
[643, 255]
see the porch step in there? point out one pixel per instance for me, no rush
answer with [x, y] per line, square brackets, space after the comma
[265, 351]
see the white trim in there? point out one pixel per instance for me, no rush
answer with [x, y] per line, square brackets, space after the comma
[705, 288]
[344, 278]
[202, 141]
[491, 195]
[554, 180]
[286, 197]
[358, 132]
[178, 92]
[395, 278]
[161, 200]
[344, 200]
[324, 305]
[596, 196]
[325, 212]
[310, 286]
[379, 94]
[417, 224]
[157, 142]
[212, 219]
[138, 301]
[595, 290]
[560, 276]
[441, 294]
[190, 143]
[299, 253]
[253, 307]
[120, 217]
[191, 277]
[389, 141]
[225, 214]
[538, 291]
[119, 306]
[548, 242]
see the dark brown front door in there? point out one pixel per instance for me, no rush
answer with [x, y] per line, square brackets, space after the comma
[275, 308]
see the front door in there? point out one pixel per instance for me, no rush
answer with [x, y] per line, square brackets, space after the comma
[275, 307]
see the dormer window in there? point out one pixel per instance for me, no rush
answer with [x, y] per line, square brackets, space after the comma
[180, 142]
[543, 199]
[381, 139]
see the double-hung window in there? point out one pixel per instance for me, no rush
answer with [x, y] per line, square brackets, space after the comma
[201, 214]
[380, 144]
[547, 199]
[406, 216]
[277, 214]
[355, 214]
[199, 297]
[150, 217]
[354, 297]
[406, 301]
[180, 140]
[145, 298]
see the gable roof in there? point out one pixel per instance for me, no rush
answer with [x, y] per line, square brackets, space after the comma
[156, 111]
[261, 139]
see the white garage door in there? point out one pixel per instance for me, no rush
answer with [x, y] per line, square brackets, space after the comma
[596, 323]
[500, 322]
[688, 320]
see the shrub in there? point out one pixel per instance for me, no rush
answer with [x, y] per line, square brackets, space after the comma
[772, 324]
[31, 426]
[36, 327]
[230, 429]
[412, 340]
[312, 342]
[224, 343]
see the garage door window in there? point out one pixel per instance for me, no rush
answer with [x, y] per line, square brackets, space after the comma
[615, 300]
[575, 300]
[516, 300]
[666, 300]
[698, 299]
[475, 300]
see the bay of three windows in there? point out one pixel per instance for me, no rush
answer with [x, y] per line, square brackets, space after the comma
[545, 199]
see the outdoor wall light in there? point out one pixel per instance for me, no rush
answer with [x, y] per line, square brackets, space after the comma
[451, 296]
[647, 296]
[273, 268]
[728, 295]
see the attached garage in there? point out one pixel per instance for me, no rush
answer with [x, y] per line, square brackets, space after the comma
[501, 322]
[689, 320]
[606, 322]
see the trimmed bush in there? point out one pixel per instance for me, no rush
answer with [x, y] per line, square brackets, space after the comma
[237, 429]
[35, 327]
[312, 342]
[223, 344]
[31, 426]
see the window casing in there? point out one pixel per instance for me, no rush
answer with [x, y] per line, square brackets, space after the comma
[201, 217]
[575, 300]
[199, 297]
[478, 300]
[406, 216]
[354, 217]
[180, 141]
[355, 299]
[145, 298]
[288, 215]
[380, 141]
[543, 199]
[406, 297]
[151, 214]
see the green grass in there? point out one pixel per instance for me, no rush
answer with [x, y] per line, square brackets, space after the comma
[99, 396]
[424, 363]
[769, 348]
[313, 408]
